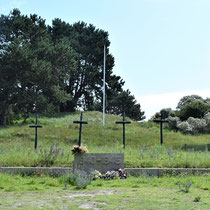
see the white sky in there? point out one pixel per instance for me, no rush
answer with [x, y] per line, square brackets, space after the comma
[161, 47]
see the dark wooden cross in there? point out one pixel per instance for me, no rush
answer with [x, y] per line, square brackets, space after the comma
[161, 121]
[80, 128]
[123, 122]
[36, 126]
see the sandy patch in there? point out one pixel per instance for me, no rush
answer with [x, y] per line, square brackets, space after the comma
[92, 194]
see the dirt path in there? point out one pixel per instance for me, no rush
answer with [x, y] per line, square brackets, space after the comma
[59, 199]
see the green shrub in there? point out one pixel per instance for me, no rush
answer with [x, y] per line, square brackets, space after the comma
[196, 109]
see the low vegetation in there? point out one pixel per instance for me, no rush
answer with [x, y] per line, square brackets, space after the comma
[191, 116]
[131, 193]
[59, 135]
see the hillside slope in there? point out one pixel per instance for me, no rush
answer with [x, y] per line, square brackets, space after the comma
[59, 134]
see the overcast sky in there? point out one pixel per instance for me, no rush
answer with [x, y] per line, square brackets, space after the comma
[161, 47]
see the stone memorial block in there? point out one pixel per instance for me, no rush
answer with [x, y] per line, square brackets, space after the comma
[102, 162]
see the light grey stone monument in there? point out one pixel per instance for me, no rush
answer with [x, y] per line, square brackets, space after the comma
[102, 162]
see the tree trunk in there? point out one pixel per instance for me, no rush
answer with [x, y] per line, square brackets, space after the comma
[4, 114]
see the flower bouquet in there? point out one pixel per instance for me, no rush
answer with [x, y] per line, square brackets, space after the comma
[79, 150]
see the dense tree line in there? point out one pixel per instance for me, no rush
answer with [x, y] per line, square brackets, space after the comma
[58, 68]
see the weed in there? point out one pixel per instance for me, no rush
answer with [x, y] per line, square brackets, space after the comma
[185, 187]
[47, 158]
[65, 186]
[100, 184]
[197, 199]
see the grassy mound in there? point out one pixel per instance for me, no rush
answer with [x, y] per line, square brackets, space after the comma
[59, 134]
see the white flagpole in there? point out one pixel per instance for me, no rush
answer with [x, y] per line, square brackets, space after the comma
[104, 86]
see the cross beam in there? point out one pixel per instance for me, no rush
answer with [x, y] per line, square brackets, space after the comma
[80, 128]
[36, 126]
[161, 121]
[123, 122]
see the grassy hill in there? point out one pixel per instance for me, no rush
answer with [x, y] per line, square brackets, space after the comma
[59, 134]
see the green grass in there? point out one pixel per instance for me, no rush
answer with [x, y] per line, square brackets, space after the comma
[132, 193]
[59, 133]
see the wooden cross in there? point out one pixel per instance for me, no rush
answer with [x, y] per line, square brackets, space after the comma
[161, 121]
[123, 122]
[80, 128]
[36, 126]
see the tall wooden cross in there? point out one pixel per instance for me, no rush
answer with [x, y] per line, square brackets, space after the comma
[161, 121]
[123, 122]
[80, 128]
[36, 126]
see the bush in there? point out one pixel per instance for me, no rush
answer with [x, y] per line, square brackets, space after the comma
[184, 127]
[173, 123]
[188, 99]
[207, 119]
[165, 113]
[196, 109]
[191, 126]
[197, 125]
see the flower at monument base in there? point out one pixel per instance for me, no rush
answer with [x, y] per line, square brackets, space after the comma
[97, 175]
[110, 175]
[122, 173]
[79, 149]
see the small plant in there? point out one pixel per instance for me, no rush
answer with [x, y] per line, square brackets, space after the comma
[83, 181]
[47, 158]
[79, 150]
[197, 199]
[185, 188]
[80, 179]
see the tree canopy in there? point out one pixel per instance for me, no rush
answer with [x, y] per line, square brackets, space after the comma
[196, 109]
[125, 102]
[32, 68]
[188, 99]
[49, 69]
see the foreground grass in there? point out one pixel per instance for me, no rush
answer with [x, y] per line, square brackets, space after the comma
[132, 193]
[59, 134]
